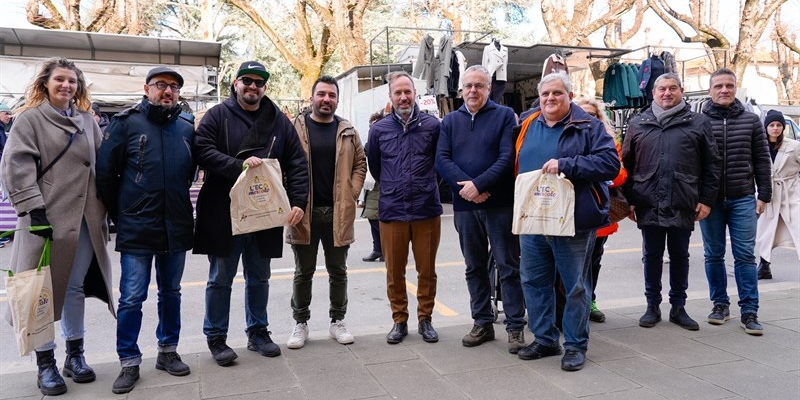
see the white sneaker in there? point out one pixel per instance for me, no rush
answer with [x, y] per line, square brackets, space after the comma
[299, 336]
[340, 333]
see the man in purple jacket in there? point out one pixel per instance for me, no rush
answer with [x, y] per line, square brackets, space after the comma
[476, 156]
[400, 154]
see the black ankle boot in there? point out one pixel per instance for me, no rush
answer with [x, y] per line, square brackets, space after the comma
[75, 366]
[763, 270]
[48, 379]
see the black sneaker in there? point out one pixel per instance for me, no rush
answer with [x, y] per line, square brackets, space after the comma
[259, 340]
[751, 325]
[719, 314]
[172, 363]
[223, 354]
[478, 335]
[126, 380]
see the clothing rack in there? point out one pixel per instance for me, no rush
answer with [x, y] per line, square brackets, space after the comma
[479, 35]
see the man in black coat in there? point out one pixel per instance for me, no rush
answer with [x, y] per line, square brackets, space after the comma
[241, 131]
[144, 171]
[673, 178]
[745, 163]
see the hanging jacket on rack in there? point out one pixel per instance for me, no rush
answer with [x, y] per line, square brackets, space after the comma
[423, 68]
[496, 60]
[555, 63]
[651, 69]
[441, 66]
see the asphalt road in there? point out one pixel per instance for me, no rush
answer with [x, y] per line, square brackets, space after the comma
[620, 284]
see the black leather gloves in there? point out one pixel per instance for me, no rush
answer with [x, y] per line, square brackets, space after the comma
[39, 217]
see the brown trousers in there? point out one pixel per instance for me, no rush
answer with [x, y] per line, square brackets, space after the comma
[424, 237]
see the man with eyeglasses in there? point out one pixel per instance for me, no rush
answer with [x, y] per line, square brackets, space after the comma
[475, 155]
[144, 171]
[241, 131]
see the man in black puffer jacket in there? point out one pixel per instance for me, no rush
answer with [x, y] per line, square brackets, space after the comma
[743, 146]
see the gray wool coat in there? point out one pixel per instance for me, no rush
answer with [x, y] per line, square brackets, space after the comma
[67, 192]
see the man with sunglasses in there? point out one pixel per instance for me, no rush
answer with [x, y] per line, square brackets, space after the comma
[241, 131]
[144, 171]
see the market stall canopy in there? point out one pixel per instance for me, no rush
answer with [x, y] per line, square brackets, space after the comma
[526, 62]
[115, 66]
[92, 46]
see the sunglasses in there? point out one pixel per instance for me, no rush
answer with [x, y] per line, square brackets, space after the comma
[249, 81]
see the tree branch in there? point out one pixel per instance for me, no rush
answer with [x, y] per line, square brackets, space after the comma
[273, 36]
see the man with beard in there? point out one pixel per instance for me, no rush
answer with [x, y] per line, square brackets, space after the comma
[336, 172]
[241, 131]
[144, 170]
[400, 151]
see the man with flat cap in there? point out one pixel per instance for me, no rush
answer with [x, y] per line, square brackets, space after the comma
[241, 131]
[144, 171]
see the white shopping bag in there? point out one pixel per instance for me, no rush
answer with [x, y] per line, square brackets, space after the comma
[258, 199]
[30, 298]
[544, 204]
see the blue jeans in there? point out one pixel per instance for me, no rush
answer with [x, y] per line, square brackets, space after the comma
[740, 217]
[677, 242]
[477, 230]
[542, 257]
[220, 280]
[72, 312]
[305, 261]
[133, 285]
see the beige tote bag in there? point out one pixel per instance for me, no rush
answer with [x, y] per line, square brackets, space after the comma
[258, 199]
[544, 204]
[30, 298]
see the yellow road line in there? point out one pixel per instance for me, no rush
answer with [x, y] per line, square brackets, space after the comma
[440, 308]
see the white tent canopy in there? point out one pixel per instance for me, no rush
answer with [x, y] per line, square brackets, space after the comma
[115, 66]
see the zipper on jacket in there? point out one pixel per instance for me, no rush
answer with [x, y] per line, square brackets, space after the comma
[142, 145]
[724, 158]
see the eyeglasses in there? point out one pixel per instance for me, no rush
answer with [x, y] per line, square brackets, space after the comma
[161, 85]
[249, 81]
[477, 86]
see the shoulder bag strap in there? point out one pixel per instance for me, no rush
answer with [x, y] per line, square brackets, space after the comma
[41, 173]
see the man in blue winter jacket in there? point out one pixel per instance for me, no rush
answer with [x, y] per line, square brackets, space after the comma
[144, 171]
[561, 138]
[400, 153]
[475, 156]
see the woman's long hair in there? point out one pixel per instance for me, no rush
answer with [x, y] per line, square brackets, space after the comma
[36, 94]
[601, 111]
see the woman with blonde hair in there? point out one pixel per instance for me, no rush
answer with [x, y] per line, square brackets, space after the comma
[596, 109]
[48, 168]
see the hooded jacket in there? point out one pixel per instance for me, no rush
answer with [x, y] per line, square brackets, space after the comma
[348, 179]
[144, 172]
[227, 136]
[588, 158]
[671, 168]
[742, 144]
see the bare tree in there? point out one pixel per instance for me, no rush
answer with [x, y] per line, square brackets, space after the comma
[111, 16]
[345, 21]
[785, 55]
[305, 52]
[703, 18]
[575, 31]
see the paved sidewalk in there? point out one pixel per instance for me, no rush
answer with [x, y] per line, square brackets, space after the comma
[624, 362]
